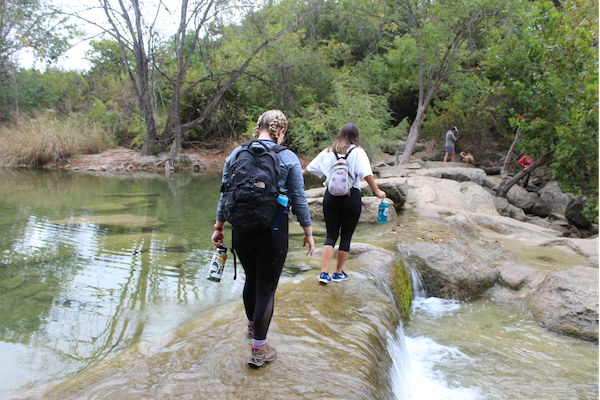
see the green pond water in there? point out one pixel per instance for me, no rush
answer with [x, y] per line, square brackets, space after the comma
[90, 265]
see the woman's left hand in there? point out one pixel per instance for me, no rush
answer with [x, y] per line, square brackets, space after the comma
[311, 244]
[217, 238]
[381, 194]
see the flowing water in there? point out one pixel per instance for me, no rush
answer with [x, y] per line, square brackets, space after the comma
[91, 267]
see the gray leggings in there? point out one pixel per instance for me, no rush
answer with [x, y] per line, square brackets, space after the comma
[341, 217]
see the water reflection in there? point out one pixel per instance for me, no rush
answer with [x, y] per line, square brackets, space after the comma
[90, 264]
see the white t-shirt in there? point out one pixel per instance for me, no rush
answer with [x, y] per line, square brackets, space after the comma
[358, 161]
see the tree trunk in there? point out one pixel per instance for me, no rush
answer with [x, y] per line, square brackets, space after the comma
[508, 183]
[507, 159]
[14, 75]
[139, 79]
[413, 135]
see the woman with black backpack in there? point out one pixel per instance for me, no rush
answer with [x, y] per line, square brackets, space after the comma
[342, 212]
[262, 249]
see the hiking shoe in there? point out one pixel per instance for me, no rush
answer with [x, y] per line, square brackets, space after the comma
[261, 356]
[339, 277]
[250, 332]
[324, 277]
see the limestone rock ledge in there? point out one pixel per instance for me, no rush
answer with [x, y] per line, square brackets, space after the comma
[567, 302]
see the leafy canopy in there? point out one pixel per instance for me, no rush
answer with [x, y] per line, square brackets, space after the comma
[550, 69]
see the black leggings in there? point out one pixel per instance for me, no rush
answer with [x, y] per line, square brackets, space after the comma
[262, 255]
[341, 215]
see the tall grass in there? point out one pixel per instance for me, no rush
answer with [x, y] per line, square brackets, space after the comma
[44, 138]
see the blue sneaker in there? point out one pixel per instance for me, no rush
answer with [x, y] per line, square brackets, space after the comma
[324, 277]
[339, 277]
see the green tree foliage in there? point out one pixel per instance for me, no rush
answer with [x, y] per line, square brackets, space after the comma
[33, 24]
[432, 41]
[317, 126]
[54, 88]
[550, 70]
[111, 100]
[476, 105]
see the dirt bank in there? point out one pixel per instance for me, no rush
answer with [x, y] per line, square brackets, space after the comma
[199, 160]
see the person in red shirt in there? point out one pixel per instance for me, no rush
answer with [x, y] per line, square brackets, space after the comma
[525, 162]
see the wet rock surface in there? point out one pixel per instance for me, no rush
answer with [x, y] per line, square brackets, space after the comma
[451, 270]
[323, 334]
[567, 302]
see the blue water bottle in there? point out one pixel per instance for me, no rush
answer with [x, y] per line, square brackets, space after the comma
[383, 212]
[282, 201]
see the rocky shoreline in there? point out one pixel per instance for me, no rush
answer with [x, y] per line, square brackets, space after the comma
[474, 264]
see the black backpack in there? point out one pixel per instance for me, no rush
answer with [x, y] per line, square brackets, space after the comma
[250, 193]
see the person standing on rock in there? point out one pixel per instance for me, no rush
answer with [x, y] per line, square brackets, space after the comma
[263, 252]
[450, 140]
[342, 212]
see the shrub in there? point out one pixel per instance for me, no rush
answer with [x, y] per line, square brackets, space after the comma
[45, 138]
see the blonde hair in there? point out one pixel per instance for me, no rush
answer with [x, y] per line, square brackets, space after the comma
[272, 121]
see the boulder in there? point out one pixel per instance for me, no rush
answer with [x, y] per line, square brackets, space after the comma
[459, 174]
[567, 302]
[445, 196]
[519, 197]
[493, 170]
[451, 271]
[551, 200]
[573, 213]
[492, 182]
[395, 189]
[369, 213]
[516, 276]
[506, 209]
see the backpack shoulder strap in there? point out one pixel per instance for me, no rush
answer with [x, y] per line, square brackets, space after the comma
[345, 157]
[278, 148]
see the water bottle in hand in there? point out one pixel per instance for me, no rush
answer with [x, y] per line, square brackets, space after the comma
[383, 212]
[217, 264]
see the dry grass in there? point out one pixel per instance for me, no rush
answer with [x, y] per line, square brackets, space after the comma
[46, 138]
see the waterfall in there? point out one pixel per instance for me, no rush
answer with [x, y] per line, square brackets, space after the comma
[419, 289]
[415, 366]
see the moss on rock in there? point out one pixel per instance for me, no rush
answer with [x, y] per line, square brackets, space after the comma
[402, 289]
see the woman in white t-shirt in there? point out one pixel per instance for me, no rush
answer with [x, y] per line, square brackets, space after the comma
[342, 212]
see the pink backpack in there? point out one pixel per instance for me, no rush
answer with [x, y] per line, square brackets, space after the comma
[341, 178]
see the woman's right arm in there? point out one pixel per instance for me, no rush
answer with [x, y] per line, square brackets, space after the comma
[378, 192]
[217, 236]
[315, 166]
